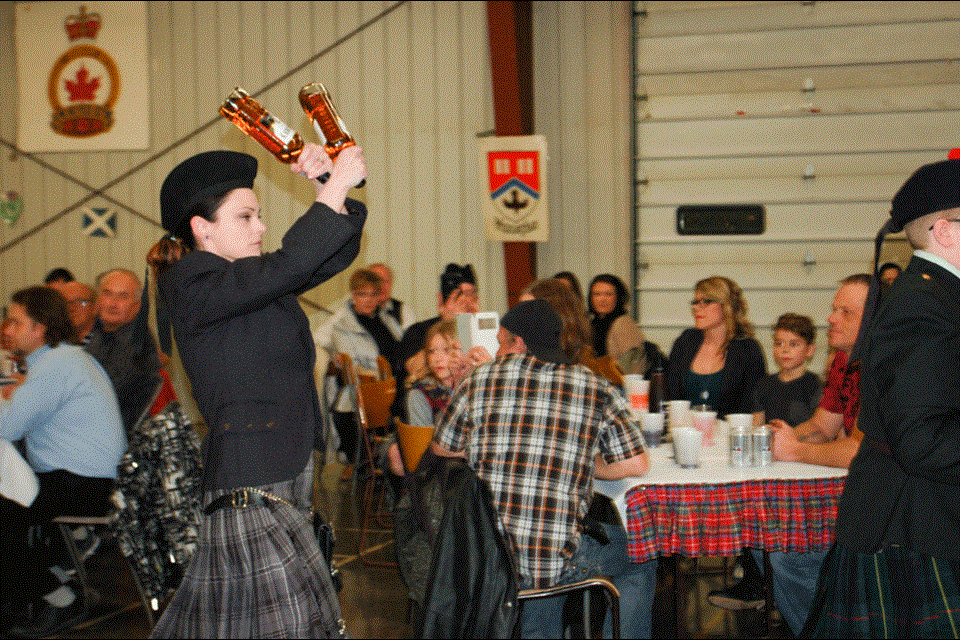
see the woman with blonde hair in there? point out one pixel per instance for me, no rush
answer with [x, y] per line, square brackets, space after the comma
[717, 362]
[429, 391]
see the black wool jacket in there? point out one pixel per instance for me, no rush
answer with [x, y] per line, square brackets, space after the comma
[903, 487]
[246, 346]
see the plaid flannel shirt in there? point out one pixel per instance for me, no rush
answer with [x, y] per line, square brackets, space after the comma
[531, 429]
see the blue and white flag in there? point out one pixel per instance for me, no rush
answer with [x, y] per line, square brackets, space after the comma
[99, 222]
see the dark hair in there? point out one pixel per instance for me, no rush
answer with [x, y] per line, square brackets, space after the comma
[366, 278]
[798, 324]
[577, 335]
[170, 248]
[59, 275]
[47, 307]
[453, 276]
[623, 297]
[568, 277]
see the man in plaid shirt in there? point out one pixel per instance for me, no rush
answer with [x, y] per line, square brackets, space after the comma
[538, 429]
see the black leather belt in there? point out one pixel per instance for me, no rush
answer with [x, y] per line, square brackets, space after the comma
[237, 499]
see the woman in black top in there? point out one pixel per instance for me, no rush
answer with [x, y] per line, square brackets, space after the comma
[246, 346]
[718, 362]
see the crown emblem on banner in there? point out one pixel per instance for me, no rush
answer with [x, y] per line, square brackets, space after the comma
[82, 25]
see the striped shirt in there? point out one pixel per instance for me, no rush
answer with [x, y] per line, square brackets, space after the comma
[531, 429]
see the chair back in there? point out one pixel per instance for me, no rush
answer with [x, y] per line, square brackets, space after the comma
[343, 365]
[373, 403]
[413, 441]
[383, 367]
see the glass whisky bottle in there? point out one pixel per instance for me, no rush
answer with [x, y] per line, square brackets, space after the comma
[331, 130]
[258, 123]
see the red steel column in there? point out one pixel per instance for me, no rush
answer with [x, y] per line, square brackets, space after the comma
[509, 24]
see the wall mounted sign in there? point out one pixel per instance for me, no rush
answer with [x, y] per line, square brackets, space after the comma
[513, 171]
[83, 76]
[99, 222]
[11, 206]
[720, 219]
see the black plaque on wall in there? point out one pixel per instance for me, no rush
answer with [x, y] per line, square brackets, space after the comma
[720, 219]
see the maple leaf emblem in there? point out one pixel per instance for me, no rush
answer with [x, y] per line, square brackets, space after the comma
[82, 89]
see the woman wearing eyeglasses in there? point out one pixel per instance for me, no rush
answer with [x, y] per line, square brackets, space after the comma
[717, 362]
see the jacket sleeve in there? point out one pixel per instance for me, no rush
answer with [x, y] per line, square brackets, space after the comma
[318, 246]
[754, 370]
[917, 372]
[681, 355]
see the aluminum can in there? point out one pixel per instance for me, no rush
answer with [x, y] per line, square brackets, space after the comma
[762, 446]
[740, 448]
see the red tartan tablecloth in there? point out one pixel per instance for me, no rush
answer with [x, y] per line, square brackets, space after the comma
[721, 519]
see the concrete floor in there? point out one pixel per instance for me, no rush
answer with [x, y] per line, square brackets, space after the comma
[374, 598]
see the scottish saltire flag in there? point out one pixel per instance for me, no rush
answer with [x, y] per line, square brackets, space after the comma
[99, 222]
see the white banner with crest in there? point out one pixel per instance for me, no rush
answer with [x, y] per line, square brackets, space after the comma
[513, 171]
[83, 76]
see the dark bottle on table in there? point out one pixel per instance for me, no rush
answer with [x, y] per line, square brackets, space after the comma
[656, 390]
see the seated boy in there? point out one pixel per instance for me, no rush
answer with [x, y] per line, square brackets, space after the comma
[793, 393]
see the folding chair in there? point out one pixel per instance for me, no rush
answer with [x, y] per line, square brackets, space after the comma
[586, 589]
[66, 524]
[374, 421]
[414, 441]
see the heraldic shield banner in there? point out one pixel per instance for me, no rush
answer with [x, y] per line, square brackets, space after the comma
[83, 76]
[513, 172]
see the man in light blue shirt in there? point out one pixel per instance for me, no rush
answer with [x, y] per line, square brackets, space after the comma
[67, 415]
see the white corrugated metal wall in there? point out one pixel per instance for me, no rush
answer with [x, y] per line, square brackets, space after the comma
[415, 89]
[817, 110]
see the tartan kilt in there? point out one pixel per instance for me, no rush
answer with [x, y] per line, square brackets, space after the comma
[895, 593]
[257, 572]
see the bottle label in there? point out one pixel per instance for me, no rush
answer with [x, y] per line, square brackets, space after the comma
[343, 127]
[282, 131]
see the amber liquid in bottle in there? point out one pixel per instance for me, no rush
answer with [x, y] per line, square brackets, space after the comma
[258, 123]
[331, 131]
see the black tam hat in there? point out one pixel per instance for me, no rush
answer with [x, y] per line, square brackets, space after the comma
[933, 187]
[198, 177]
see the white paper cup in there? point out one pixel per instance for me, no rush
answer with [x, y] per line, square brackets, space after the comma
[638, 391]
[679, 414]
[740, 420]
[689, 442]
[651, 425]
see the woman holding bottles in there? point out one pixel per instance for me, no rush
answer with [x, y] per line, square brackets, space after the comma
[246, 346]
[718, 362]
